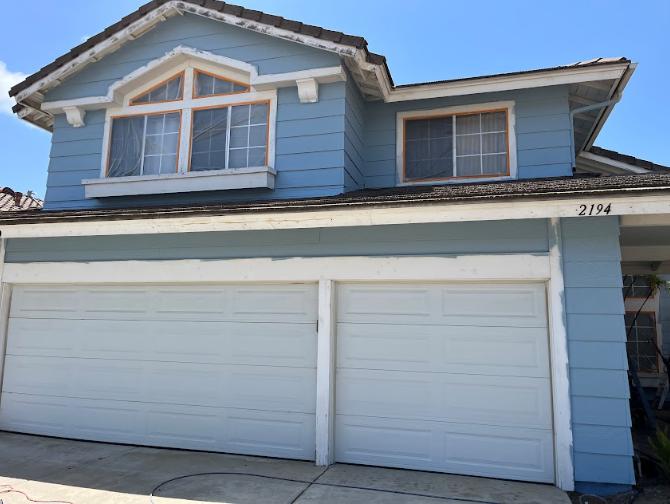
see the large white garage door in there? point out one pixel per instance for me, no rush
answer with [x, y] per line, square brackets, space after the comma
[224, 368]
[445, 377]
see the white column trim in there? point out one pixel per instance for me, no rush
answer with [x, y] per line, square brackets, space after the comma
[5, 296]
[560, 379]
[325, 375]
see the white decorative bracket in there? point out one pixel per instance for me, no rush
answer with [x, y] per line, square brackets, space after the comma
[75, 116]
[308, 90]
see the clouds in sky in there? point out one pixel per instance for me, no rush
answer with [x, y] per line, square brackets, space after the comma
[7, 80]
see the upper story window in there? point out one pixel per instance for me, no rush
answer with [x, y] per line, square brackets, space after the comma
[196, 120]
[208, 84]
[456, 144]
[170, 90]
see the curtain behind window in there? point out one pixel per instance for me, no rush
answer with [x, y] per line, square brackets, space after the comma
[126, 147]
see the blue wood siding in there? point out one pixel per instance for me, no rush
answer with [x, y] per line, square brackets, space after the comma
[603, 448]
[310, 137]
[543, 132]
[309, 157]
[354, 146]
[268, 54]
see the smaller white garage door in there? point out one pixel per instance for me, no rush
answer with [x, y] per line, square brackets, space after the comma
[445, 377]
[227, 368]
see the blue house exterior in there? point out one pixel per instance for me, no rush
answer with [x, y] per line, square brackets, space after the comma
[337, 185]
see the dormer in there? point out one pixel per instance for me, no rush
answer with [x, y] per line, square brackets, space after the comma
[189, 121]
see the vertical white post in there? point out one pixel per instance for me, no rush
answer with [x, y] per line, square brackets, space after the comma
[5, 294]
[325, 374]
[560, 380]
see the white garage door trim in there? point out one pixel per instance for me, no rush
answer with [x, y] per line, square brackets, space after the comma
[325, 270]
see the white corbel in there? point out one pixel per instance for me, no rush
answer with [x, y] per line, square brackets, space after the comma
[75, 116]
[308, 90]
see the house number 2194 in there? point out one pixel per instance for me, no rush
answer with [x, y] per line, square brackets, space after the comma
[593, 209]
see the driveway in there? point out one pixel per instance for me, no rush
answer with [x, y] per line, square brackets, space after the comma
[97, 473]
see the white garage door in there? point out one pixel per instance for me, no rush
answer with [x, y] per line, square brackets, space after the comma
[224, 368]
[445, 377]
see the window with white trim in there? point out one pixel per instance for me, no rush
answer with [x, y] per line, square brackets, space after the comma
[456, 143]
[227, 123]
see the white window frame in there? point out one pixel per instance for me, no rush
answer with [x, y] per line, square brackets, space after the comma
[186, 106]
[401, 117]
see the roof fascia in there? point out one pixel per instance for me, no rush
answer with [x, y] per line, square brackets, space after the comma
[555, 77]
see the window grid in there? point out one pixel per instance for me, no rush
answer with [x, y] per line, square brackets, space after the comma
[639, 343]
[162, 134]
[229, 127]
[455, 156]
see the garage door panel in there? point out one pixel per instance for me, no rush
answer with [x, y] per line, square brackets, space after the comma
[515, 305]
[455, 398]
[445, 377]
[454, 349]
[253, 303]
[479, 450]
[254, 387]
[277, 344]
[216, 429]
[217, 367]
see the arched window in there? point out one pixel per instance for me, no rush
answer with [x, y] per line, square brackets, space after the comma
[193, 119]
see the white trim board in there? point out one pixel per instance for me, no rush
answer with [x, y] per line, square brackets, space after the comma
[558, 349]
[485, 267]
[371, 215]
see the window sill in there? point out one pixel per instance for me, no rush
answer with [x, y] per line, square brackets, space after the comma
[213, 180]
[457, 180]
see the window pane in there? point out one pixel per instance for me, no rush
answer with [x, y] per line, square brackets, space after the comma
[494, 121]
[467, 124]
[468, 145]
[237, 158]
[161, 143]
[494, 163]
[259, 114]
[238, 137]
[468, 166]
[494, 143]
[429, 148]
[208, 148]
[169, 91]
[126, 147]
[239, 115]
[257, 136]
[257, 157]
[208, 85]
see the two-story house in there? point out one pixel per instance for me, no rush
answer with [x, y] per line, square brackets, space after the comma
[254, 242]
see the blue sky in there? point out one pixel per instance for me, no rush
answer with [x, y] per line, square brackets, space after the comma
[423, 40]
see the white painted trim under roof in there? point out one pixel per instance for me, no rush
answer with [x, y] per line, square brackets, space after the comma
[154, 71]
[459, 109]
[326, 271]
[368, 215]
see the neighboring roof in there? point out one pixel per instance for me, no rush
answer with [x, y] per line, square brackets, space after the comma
[627, 159]
[488, 192]
[13, 201]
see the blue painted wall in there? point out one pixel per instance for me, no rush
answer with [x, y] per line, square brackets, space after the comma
[594, 305]
[603, 448]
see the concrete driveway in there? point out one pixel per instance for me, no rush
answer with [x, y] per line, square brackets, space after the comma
[96, 473]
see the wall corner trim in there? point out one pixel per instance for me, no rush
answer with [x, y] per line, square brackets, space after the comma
[560, 379]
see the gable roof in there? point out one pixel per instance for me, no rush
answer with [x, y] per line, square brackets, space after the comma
[600, 80]
[13, 201]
